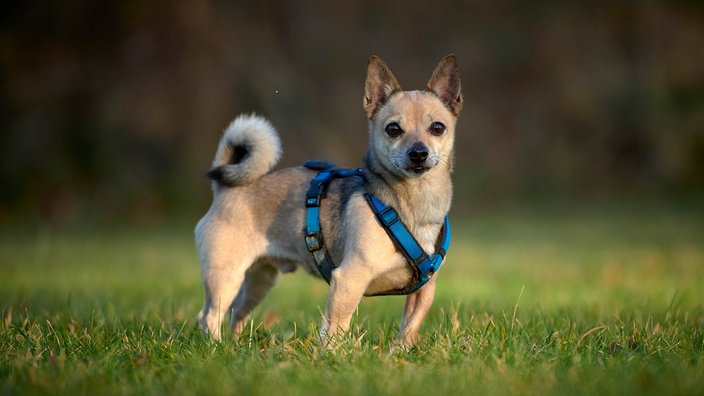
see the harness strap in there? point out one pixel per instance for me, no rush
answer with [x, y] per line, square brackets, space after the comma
[316, 192]
[425, 265]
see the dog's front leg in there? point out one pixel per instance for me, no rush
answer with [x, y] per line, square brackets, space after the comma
[346, 291]
[417, 306]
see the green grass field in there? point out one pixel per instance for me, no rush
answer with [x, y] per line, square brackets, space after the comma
[557, 301]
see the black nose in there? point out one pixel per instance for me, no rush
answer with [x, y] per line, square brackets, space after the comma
[418, 153]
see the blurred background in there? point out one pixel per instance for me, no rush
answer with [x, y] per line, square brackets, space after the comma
[113, 110]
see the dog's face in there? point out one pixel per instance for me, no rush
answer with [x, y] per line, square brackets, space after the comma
[412, 132]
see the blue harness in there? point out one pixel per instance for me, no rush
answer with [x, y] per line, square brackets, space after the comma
[422, 264]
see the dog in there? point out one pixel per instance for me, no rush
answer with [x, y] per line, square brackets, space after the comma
[256, 225]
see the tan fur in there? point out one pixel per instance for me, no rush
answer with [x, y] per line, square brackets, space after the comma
[255, 227]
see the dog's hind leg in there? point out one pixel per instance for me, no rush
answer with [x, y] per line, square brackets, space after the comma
[223, 268]
[416, 308]
[258, 280]
[221, 286]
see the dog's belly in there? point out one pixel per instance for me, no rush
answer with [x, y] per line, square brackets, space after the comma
[284, 265]
[390, 281]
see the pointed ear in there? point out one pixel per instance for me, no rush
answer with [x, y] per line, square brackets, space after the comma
[379, 85]
[445, 83]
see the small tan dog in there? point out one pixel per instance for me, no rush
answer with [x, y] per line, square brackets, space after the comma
[256, 226]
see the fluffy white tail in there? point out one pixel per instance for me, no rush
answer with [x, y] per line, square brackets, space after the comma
[249, 149]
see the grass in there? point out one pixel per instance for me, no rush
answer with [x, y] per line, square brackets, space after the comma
[604, 300]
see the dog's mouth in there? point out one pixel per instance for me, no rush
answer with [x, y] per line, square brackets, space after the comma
[418, 169]
[411, 168]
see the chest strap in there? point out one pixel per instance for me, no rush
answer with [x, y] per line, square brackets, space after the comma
[422, 264]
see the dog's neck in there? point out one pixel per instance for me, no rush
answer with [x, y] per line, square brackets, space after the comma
[421, 201]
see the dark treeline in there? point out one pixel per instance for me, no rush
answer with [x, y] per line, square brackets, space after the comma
[115, 108]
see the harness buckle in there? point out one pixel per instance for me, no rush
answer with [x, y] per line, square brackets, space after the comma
[389, 216]
[314, 241]
[313, 200]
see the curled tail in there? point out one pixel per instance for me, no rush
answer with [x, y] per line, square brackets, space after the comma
[249, 149]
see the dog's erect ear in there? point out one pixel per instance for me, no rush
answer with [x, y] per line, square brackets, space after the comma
[445, 83]
[379, 85]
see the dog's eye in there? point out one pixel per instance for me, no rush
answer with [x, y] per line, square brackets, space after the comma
[393, 130]
[437, 128]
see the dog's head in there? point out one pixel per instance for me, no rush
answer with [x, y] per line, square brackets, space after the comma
[412, 132]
